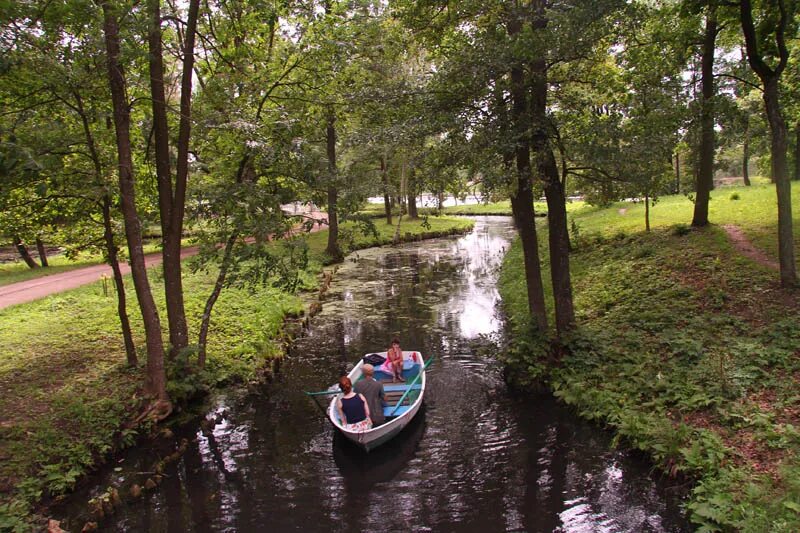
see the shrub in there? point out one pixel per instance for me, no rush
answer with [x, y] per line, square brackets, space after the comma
[680, 230]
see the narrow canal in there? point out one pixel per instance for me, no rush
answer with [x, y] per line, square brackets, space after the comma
[475, 459]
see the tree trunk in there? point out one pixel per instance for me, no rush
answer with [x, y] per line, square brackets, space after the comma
[770, 79]
[797, 151]
[387, 201]
[746, 153]
[522, 201]
[705, 174]
[783, 187]
[333, 250]
[42, 252]
[212, 299]
[647, 212]
[122, 308]
[108, 236]
[547, 169]
[171, 203]
[156, 376]
[412, 195]
[677, 173]
[24, 253]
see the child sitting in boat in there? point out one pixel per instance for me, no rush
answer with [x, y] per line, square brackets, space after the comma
[353, 408]
[394, 361]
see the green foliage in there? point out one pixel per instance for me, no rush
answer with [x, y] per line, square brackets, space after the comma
[677, 344]
[735, 196]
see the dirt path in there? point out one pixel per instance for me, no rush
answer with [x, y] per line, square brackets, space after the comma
[746, 248]
[33, 289]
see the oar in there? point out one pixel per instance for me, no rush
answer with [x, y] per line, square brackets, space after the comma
[314, 395]
[323, 393]
[410, 385]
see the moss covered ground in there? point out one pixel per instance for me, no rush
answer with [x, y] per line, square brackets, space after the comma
[686, 349]
[67, 397]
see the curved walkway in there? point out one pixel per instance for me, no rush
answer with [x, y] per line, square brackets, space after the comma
[746, 248]
[34, 289]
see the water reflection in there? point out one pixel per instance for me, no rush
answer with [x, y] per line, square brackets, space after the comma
[479, 459]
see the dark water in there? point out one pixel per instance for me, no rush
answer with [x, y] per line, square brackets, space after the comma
[475, 458]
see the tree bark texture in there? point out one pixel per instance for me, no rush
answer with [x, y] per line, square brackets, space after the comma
[547, 170]
[705, 174]
[24, 253]
[333, 250]
[783, 187]
[412, 194]
[42, 252]
[212, 299]
[387, 201]
[797, 151]
[122, 305]
[746, 153]
[156, 376]
[108, 237]
[770, 79]
[171, 201]
[522, 199]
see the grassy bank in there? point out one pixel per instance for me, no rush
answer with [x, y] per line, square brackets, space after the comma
[355, 236]
[687, 350]
[66, 395]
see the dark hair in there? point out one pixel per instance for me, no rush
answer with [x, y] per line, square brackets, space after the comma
[345, 384]
[396, 341]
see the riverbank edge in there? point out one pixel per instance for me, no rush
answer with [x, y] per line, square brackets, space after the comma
[730, 490]
[19, 514]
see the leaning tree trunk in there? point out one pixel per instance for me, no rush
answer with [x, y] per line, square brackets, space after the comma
[122, 307]
[333, 250]
[24, 253]
[212, 299]
[42, 252]
[705, 174]
[156, 377]
[108, 236]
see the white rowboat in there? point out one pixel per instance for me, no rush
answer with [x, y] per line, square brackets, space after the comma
[410, 395]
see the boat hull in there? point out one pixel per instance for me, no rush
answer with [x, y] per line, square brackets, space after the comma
[372, 438]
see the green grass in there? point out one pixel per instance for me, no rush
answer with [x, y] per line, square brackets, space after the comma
[65, 392]
[686, 349]
[755, 211]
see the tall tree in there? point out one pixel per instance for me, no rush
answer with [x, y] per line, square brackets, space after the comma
[705, 174]
[156, 376]
[172, 196]
[764, 44]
